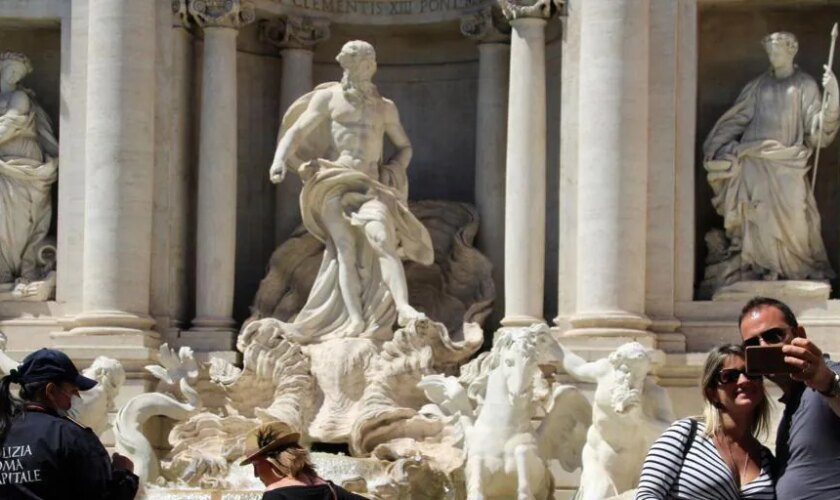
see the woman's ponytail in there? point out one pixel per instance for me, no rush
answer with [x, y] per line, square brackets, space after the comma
[9, 405]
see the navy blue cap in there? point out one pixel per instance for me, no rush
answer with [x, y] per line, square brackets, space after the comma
[50, 365]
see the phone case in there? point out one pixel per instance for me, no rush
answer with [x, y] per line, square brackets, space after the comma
[767, 360]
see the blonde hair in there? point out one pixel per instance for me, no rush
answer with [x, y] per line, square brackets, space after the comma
[712, 411]
[291, 461]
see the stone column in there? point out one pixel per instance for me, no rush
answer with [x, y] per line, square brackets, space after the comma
[296, 37]
[217, 161]
[119, 145]
[491, 31]
[612, 169]
[526, 152]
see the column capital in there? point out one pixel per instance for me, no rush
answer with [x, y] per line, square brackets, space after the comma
[534, 9]
[215, 13]
[295, 32]
[486, 25]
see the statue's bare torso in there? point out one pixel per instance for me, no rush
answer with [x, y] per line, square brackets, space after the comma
[357, 130]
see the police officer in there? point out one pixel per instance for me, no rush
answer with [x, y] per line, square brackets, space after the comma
[43, 453]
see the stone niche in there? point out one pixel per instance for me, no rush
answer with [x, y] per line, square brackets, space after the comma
[40, 41]
[431, 72]
[730, 55]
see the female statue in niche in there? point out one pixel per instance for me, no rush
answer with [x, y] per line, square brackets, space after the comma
[757, 159]
[28, 168]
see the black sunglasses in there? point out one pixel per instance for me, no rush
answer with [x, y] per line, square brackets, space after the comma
[771, 336]
[731, 375]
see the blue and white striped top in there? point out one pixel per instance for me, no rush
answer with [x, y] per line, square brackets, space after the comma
[704, 474]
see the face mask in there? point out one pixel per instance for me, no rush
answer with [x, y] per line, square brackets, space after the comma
[75, 407]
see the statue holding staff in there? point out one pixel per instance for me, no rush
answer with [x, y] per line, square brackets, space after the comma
[757, 159]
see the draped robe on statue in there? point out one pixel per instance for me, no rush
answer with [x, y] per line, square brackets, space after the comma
[762, 147]
[363, 199]
[28, 168]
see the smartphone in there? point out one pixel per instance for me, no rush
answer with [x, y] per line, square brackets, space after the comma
[767, 360]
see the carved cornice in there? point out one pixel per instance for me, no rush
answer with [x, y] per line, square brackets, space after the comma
[179, 8]
[214, 13]
[486, 25]
[540, 9]
[294, 31]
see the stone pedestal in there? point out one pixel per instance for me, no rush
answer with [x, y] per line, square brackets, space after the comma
[217, 162]
[612, 170]
[119, 145]
[788, 290]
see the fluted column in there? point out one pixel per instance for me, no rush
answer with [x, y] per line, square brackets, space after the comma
[525, 160]
[491, 31]
[612, 175]
[296, 37]
[217, 161]
[119, 144]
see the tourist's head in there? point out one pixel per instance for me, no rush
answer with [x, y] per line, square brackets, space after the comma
[275, 453]
[46, 377]
[14, 66]
[358, 59]
[728, 389]
[781, 48]
[767, 321]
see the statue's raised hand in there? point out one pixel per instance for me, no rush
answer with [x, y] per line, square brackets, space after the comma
[829, 82]
[277, 172]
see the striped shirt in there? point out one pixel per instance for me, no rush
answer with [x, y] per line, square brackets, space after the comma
[704, 473]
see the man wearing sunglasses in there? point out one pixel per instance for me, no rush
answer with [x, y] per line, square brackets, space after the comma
[808, 438]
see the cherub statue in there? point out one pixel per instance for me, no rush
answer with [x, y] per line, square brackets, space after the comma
[629, 412]
[495, 402]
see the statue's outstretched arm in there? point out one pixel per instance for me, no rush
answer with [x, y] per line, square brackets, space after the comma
[582, 370]
[396, 133]
[315, 114]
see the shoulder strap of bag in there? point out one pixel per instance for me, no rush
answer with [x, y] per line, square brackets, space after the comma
[332, 490]
[692, 432]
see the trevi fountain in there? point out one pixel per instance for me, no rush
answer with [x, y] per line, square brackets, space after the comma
[455, 244]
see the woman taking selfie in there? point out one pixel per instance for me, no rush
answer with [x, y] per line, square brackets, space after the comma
[718, 455]
[284, 466]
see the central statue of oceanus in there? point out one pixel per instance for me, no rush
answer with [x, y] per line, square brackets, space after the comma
[354, 202]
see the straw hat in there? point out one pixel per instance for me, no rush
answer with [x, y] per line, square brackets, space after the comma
[267, 438]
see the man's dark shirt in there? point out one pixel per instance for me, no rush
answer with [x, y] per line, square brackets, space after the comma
[808, 446]
[47, 457]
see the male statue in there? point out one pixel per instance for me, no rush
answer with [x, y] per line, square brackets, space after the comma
[629, 412]
[353, 202]
[757, 159]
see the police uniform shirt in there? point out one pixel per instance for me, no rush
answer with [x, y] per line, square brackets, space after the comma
[46, 457]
